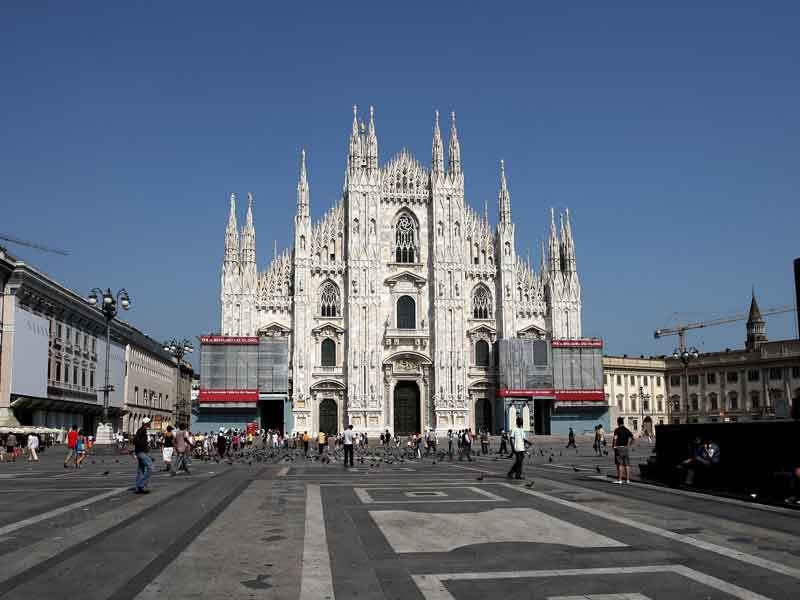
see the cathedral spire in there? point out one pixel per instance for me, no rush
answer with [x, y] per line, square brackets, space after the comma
[437, 160]
[569, 243]
[504, 198]
[486, 213]
[372, 142]
[354, 154]
[454, 151]
[303, 199]
[554, 248]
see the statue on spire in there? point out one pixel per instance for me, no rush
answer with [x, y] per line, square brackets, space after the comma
[504, 198]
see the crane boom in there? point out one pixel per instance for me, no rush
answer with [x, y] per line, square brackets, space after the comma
[21, 242]
[681, 330]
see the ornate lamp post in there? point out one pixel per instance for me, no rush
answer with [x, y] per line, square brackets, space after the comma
[178, 350]
[108, 306]
[686, 356]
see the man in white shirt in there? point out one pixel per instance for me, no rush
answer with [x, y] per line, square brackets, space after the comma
[348, 444]
[518, 444]
[33, 446]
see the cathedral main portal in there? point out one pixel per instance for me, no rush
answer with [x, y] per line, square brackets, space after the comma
[407, 414]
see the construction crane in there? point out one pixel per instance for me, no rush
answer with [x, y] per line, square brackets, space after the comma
[681, 330]
[21, 242]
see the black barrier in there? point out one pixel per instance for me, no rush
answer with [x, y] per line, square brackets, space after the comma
[755, 457]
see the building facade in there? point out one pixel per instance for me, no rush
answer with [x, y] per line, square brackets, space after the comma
[636, 389]
[760, 381]
[394, 298]
[52, 364]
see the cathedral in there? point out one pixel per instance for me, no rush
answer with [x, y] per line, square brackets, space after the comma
[392, 301]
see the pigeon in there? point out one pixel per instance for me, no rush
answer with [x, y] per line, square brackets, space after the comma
[529, 485]
[480, 477]
[596, 468]
[434, 462]
[576, 469]
[550, 459]
[106, 472]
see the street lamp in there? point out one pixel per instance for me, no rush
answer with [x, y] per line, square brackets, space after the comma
[686, 356]
[178, 349]
[108, 306]
[642, 399]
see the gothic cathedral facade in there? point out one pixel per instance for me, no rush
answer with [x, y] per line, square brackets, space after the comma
[393, 299]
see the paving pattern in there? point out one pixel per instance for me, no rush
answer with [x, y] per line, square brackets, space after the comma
[430, 529]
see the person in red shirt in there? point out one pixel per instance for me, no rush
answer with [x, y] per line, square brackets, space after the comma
[72, 442]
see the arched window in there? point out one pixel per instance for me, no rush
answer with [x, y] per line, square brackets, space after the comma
[482, 353]
[329, 300]
[328, 358]
[713, 405]
[733, 401]
[405, 239]
[406, 313]
[481, 303]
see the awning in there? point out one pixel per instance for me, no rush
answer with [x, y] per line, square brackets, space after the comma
[48, 404]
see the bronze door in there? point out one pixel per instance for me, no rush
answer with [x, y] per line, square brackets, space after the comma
[407, 418]
[328, 417]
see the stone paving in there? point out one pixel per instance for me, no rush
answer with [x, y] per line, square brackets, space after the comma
[429, 529]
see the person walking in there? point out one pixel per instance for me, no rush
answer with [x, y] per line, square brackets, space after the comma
[144, 464]
[222, 443]
[348, 445]
[485, 441]
[80, 449]
[182, 447]
[306, 439]
[72, 441]
[503, 443]
[33, 446]
[168, 448]
[571, 439]
[518, 445]
[11, 446]
[321, 442]
[466, 441]
[620, 443]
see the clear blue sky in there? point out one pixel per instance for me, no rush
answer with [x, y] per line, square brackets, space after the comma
[673, 134]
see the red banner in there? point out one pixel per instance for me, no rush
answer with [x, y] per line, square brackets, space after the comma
[584, 343]
[559, 395]
[236, 340]
[228, 395]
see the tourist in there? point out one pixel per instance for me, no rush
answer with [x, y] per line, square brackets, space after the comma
[347, 440]
[144, 464]
[11, 446]
[72, 440]
[620, 443]
[33, 446]
[503, 443]
[168, 448]
[466, 444]
[80, 449]
[320, 442]
[485, 441]
[450, 443]
[571, 439]
[222, 443]
[518, 445]
[183, 447]
[306, 439]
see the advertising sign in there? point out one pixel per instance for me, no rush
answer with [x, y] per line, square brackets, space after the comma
[31, 338]
[228, 395]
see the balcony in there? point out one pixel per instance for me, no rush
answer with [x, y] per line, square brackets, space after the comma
[319, 371]
[416, 338]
